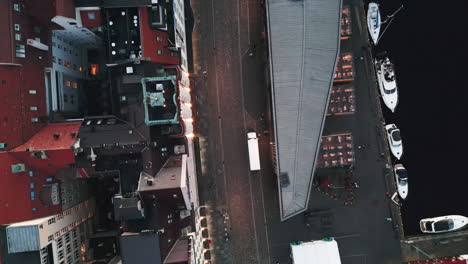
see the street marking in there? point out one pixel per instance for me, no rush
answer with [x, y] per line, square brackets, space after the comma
[355, 235]
[357, 255]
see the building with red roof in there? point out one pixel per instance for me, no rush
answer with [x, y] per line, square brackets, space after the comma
[22, 96]
[35, 75]
[28, 186]
[155, 43]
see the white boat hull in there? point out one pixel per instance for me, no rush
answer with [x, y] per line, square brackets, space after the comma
[397, 150]
[402, 189]
[459, 222]
[373, 22]
[390, 99]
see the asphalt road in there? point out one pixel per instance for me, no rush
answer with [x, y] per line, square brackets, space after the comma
[231, 97]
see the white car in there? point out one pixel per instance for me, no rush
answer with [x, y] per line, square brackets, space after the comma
[394, 140]
[443, 224]
[401, 178]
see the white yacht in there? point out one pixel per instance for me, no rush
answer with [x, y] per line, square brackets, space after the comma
[387, 82]
[401, 178]
[394, 140]
[443, 224]
[373, 21]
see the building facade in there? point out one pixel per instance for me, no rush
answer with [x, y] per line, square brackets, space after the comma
[60, 238]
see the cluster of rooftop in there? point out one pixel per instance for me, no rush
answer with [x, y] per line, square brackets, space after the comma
[96, 162]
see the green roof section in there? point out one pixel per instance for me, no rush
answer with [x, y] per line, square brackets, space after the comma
[160, 100]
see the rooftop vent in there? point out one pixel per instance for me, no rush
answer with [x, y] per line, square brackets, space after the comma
[41, 154]
[149, 181]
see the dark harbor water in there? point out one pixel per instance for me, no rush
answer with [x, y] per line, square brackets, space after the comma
[428, 44]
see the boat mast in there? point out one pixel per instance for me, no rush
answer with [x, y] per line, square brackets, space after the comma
[392, 15]
[389, 19]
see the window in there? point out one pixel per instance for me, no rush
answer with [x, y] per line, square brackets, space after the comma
[60, 255]
[91, 15]
[50, 179]
[75, 85]
[32, 92]
[159, 39]
[16, 7]
[60, 61]
[20, 51]
[17, 36]
[68, 83]
[32, 196]
[51, 221]
[17, 27]
[32, 185]
[54, 60]
[34, 119]
[33, 108]
[50, 238]
[160, 52]
[31, 174]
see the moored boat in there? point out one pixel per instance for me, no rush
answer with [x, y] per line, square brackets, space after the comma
[394, 140]
[387, 82]
[401, 178]
[443, 224]
[373, 21]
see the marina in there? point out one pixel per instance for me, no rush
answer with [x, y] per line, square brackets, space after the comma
[422, 202]
[425, 178]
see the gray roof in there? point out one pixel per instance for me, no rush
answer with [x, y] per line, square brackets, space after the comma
[23, 238]
[168, 177]
[137, 248]
[304, 39]
[126, 208]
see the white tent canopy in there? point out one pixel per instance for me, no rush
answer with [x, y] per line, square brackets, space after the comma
[316, 252]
